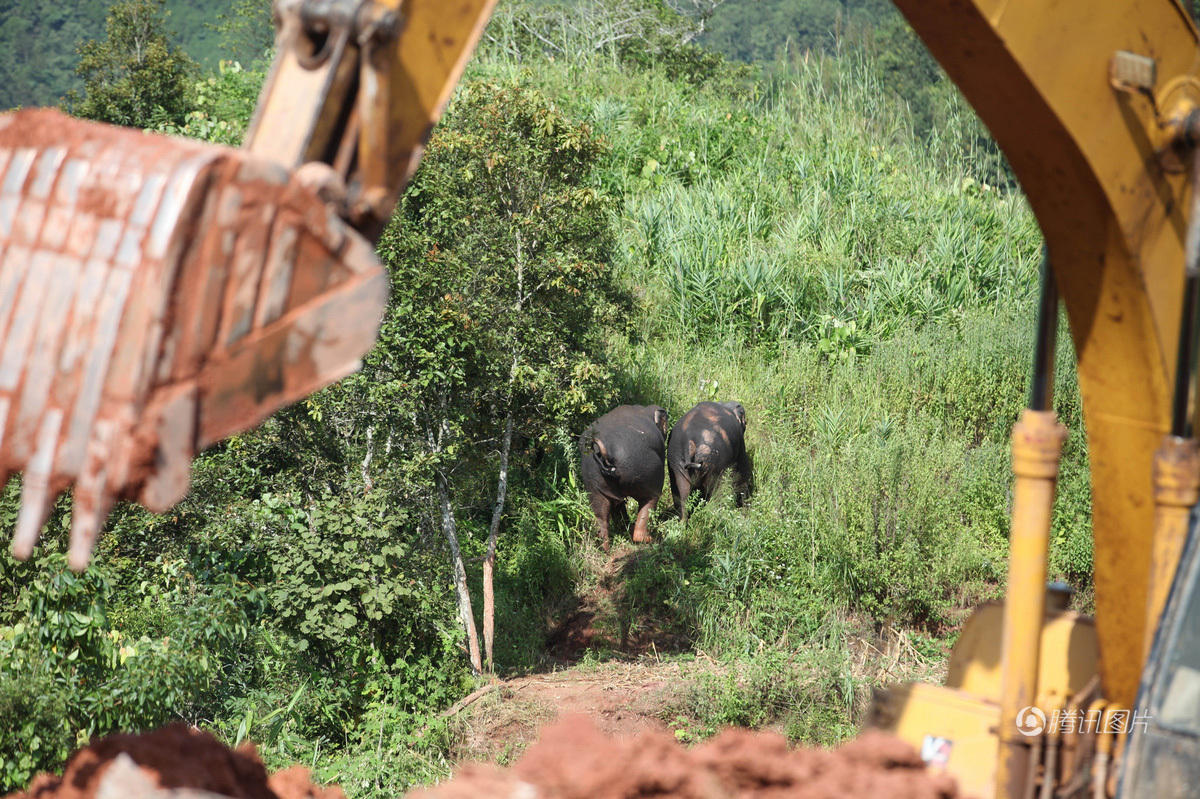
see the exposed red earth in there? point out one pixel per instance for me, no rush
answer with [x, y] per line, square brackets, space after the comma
[174, 757]
[573, 759]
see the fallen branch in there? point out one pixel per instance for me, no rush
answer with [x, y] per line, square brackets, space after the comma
[471, 698]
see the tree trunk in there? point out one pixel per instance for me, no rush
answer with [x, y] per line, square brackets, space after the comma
[466, 614]
[489, 562]
[366, 463]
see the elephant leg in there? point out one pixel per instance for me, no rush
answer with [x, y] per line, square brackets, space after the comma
[619, 516]
[681, 487]
[641, 528]
[743, 483]
[602, 508]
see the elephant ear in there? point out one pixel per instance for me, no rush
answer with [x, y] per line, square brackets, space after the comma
[661, 420]
[738, 411]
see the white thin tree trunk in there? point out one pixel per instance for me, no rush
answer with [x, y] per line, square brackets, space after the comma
[466, 614]
[450, 529]
[489, 562]
[366, 464]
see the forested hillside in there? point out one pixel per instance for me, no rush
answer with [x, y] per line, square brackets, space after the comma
[609, 213]
[39, 39]
[763, 30]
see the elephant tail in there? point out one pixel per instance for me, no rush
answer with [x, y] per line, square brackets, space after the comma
[693, 465]
[603, 460]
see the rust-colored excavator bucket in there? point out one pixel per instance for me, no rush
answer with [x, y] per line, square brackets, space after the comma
[156, 295]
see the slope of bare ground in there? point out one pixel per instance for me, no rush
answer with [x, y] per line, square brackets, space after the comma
[622, 699]
[617, 658]
[611, 618]
[609, 658]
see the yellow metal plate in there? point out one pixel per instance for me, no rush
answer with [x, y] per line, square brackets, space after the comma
[953, 728]
[1069, 654]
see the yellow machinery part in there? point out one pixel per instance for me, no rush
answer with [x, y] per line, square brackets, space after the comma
[1111, 199]
[953, 730]
[1176, 490]
[1037, 442]
[360, 90]
[1069, 654]
[954, 727]
[421, 70]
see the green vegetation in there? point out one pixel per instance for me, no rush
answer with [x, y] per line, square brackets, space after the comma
[40, 39]
[134, 76]
[605, 215]
[754, 30]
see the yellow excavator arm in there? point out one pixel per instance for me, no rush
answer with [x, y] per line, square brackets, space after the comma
[1094, 105]
[1108, 178]
[358, 85]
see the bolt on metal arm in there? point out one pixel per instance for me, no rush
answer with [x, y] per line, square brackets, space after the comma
[354, 92]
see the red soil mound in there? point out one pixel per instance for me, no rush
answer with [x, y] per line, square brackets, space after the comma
[574, 760]
[177, 756]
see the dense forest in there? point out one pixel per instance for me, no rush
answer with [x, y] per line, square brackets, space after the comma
[40, 39]
[780, 203]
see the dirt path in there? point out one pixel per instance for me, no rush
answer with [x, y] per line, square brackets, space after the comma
[621, 699]
[612, 659]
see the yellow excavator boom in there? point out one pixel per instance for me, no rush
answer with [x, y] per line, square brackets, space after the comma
[1094, 106]
[1110, 191]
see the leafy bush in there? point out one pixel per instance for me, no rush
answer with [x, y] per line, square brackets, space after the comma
[345, 577]
[222, 105]
[92, 678]
[33, 736]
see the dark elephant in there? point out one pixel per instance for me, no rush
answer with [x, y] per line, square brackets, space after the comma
[706, 441]
[622, 455]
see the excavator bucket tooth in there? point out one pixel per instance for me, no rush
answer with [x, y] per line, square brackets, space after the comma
[157, 295]
[91, 501]
[36, 494]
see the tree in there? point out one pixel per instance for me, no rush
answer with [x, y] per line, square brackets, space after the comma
[135, 76]
[699, 11]
[763, 30]
[577, 29]
[499, 258]
[247, 32]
